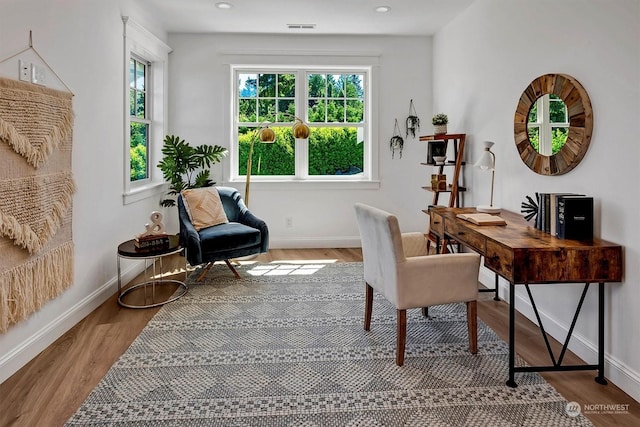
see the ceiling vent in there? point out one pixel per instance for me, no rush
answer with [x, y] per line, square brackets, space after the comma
[301, 26]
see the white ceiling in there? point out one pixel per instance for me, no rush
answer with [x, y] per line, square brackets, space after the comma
[406, 17]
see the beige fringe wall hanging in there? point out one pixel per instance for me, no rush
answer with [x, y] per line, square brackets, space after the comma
[36, 195]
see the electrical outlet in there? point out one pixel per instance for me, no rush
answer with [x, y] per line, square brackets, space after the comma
[24, 71]
[38, 74]
[288, 222]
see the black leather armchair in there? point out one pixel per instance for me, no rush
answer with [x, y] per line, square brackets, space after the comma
[243, 235]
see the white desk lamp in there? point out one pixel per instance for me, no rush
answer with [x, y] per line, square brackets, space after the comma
[487, 161]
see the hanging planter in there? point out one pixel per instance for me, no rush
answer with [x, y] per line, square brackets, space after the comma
[412, 123]
[396, 142]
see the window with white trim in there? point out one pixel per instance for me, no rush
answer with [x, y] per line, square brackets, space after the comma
[139, 118]
[334, 102]
[145, 85]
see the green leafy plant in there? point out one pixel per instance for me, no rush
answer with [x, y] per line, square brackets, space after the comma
[184, 166]
[440, 119]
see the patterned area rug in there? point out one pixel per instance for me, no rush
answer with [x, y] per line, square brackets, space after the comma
[285, 346]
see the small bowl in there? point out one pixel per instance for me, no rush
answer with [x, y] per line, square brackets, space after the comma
[439, 159]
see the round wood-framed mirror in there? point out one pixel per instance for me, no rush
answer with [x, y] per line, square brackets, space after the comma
[579, 124]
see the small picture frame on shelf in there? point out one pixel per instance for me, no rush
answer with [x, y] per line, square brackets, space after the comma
[436, 149]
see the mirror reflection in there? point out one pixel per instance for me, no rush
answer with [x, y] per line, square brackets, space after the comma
[548, 124]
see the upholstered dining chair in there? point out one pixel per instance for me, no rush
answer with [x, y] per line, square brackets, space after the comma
[215, 225]
[415, 281]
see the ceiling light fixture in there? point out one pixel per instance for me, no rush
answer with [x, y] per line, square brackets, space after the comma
[224, 5]
[383, 9]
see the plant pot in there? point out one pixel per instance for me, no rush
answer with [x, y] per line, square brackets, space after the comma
[440, 129]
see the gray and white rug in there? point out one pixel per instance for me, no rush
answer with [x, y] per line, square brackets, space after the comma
[285, 346]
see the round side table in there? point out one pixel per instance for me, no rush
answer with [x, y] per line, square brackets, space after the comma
[128, 250]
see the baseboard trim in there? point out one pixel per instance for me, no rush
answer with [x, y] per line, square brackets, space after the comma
[13, 361]
[615, 371]
[315, 242]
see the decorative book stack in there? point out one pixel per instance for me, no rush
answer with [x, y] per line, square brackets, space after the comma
[566, 215]
[152, 242]
[575, 217]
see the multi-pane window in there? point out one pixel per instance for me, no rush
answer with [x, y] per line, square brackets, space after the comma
[333, 104]
[548, 124]
[139, 119]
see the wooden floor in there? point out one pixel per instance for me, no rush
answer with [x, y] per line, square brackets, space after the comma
[51, 387]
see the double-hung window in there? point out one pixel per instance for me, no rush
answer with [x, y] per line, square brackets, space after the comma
[139, 119]
[334, 102]
[145, 79]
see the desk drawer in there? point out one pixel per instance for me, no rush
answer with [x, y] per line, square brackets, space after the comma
[465, 235]
[436, 224]
[499, 259]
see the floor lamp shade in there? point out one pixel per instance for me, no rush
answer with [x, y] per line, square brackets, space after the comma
[266, 135]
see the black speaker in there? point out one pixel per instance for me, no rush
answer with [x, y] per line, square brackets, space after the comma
[575, 217]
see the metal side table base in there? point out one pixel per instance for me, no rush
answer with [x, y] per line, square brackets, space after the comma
[127, 250]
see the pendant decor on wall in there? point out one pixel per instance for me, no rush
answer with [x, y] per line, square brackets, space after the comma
[413, 122]
[396, 142]
[36, 188]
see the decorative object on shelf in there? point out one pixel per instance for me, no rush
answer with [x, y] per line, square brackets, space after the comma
[440, 122]
[155, 236]
[396, 142]
[180, 161]
[487, 162]
[529, 208]
[413, 122]
[436, 149]
[266, 135]
[439, 160]
[156, 228]
[439, 182]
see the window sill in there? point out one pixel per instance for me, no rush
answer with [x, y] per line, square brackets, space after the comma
[307, 184]
[143, 192]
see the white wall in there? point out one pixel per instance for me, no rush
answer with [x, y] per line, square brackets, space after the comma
[199, 112]
[483, 60]
[82, 42]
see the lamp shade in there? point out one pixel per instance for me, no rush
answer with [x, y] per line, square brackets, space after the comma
[267, 135]
[487, 160]
[300, 130]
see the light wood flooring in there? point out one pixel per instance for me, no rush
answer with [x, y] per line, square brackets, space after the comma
[51, 387]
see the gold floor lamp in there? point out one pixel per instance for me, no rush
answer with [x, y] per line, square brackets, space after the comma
[266, 135]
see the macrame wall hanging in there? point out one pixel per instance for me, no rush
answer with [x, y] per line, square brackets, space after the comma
[36, 196]
[412, 123]
[396, 142]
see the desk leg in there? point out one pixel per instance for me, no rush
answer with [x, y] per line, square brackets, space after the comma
[496, 297]
[512, 334]
[600, 379]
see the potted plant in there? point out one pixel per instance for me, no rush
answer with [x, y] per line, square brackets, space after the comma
[180, 162]
[439, 122]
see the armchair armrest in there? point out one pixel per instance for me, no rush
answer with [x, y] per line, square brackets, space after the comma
[189, 237]
[249, 219]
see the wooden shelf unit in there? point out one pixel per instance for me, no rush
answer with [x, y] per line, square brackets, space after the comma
[458, 140]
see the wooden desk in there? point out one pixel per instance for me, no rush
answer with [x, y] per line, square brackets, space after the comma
[522, 254]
